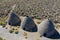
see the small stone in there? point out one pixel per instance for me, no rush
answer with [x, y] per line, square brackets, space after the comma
[25, 34]
[11, 31]
[16, 32]
[26, 37]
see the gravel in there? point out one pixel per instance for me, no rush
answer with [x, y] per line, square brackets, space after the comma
[33, 8]
[4, 33]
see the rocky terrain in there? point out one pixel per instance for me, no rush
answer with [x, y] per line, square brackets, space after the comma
[18, 33]
[39, 9]
[36, 9]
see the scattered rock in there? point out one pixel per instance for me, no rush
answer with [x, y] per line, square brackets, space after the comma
[16, 32]
[26, 37]
[25, 34]
[11, 31]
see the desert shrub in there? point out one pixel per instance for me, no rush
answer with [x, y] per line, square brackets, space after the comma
[2, 23]
[1, 38]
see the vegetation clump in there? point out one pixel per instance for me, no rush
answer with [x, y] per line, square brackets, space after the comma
[2, 23]
[1, 38]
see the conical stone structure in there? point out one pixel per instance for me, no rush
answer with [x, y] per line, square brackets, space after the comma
[46, 29]
[14, 20]
[28, 25]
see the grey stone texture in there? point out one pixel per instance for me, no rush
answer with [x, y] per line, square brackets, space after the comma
[14, 20]
[46, 28]
[29, 25]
